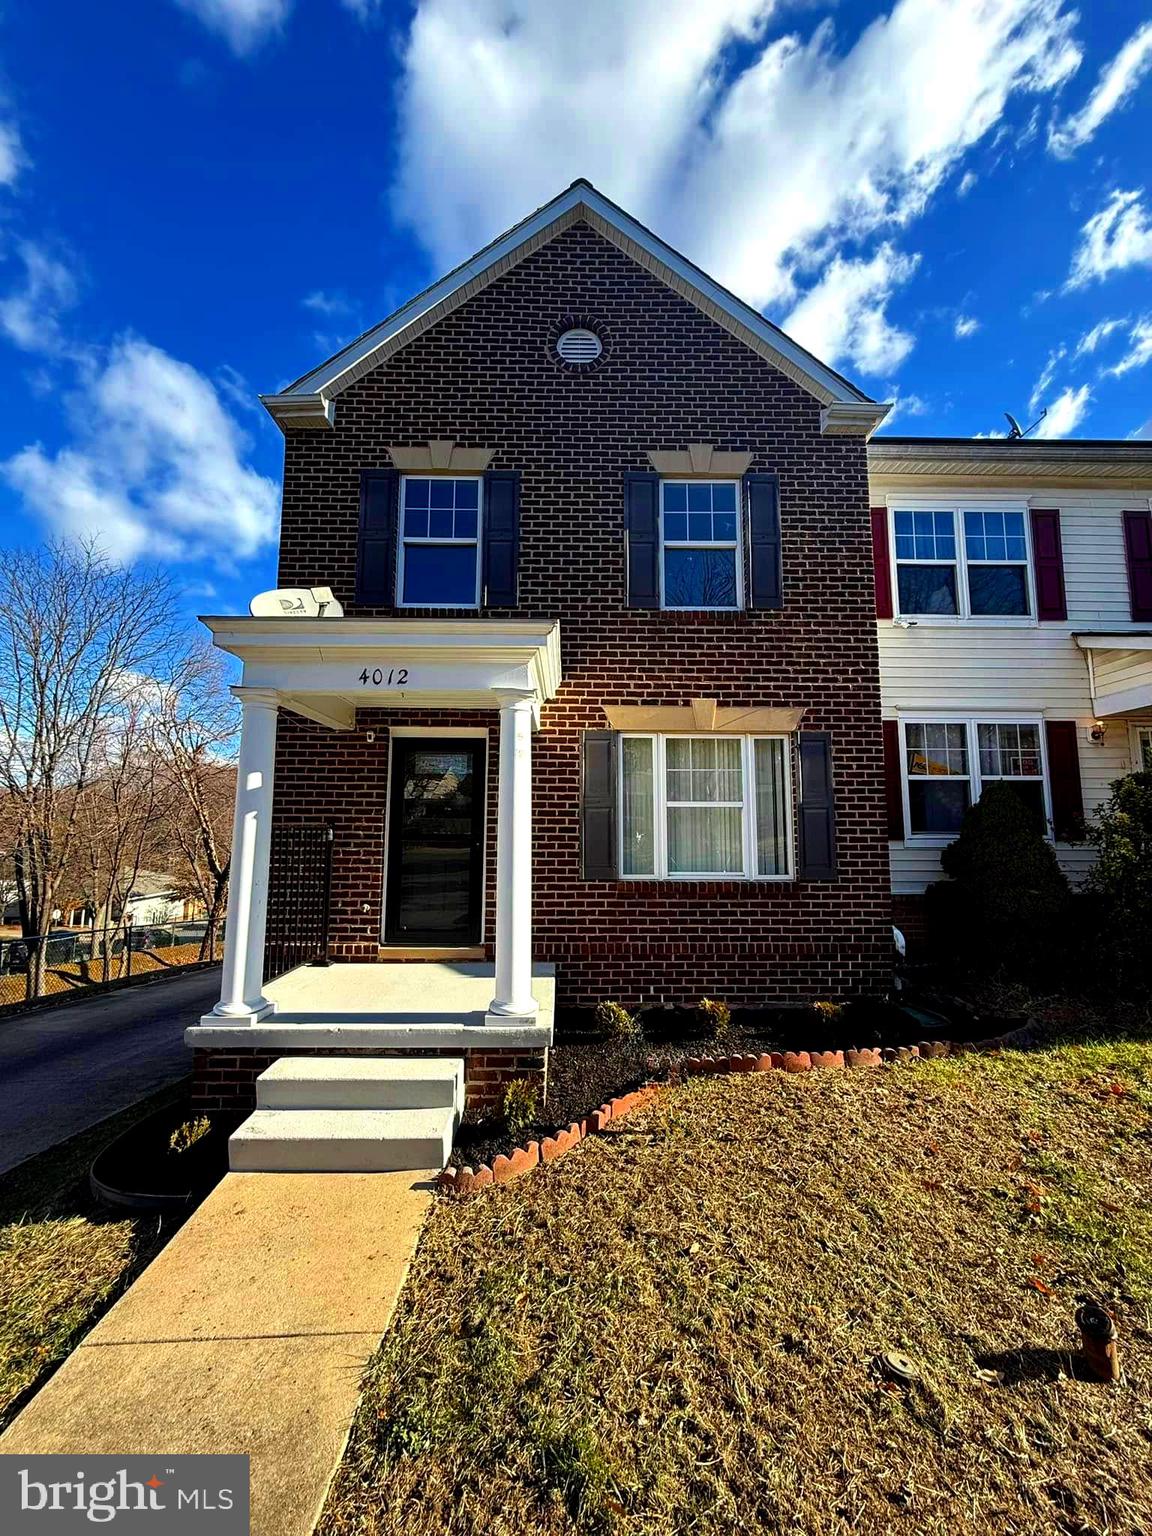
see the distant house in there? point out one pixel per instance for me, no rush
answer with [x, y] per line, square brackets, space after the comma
[152, 900]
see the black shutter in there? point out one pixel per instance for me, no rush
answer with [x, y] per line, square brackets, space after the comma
[501, 537]
[376, 546]
[642, 524]
[766, 573]
[598, 806]
[817, 807]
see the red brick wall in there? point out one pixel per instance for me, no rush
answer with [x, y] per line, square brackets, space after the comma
[484, 376]
[224, 1081]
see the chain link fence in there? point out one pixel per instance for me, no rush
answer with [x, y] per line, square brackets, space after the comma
[68, 960]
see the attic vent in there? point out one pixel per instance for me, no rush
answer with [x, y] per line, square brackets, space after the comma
[579, 346]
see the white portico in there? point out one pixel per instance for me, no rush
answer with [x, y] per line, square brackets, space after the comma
[325, 669]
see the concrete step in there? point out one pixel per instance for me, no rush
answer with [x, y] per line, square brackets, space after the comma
[342, 1140]
[362, 1082]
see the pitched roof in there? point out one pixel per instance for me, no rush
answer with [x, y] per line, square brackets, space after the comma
[310, 401]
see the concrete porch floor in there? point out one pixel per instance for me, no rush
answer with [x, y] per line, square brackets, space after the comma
[387, 1005]
[400, 991]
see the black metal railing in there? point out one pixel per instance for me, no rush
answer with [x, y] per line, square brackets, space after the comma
[299, 899]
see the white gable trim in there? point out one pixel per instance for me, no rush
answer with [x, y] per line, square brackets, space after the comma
[308, 402]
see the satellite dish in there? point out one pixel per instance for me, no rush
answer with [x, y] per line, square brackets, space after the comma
[296, 603]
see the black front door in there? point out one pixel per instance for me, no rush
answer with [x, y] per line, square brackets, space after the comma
[435, 842]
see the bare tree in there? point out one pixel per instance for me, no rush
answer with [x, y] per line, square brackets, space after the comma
[194, 738]
[79, 636]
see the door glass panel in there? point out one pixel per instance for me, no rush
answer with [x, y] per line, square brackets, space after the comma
[434, 884]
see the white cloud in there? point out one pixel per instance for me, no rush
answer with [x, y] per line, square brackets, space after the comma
[1065, 413]
[965, 184]
[844, 315]
[1139, 348]
[244, 24]
[155, 466]
[12, 157]
[504, 103]
[1048, 373]
[328, 303]
[966, 325]
[30, 312]
[1100, 332]
[903, 405]
[365, 10]
[1118, 79]
[1118, 236]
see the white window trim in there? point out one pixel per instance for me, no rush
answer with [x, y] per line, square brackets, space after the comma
[749, 827]
[450, 543]
[975, 782]
[1139, 732]
[963, 600]
[737, 545]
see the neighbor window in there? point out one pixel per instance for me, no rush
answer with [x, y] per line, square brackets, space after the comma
[948, 762]
[439, 543]
[1144, 749]
[970, 563]
[705, 807]
[700, 544]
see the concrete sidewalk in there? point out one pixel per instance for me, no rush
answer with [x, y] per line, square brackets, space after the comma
[248, 1333]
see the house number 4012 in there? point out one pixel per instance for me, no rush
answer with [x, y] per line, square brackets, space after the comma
[395, 677]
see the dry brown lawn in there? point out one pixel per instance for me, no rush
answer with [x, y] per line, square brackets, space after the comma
[675, 1328]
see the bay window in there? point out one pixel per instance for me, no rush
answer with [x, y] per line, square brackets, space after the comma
[705, 807]
[962, 563]
[947, 763]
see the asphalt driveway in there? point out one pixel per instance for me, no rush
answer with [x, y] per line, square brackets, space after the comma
[67, 1068]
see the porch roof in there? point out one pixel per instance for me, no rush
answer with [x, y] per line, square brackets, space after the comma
[325, 669]
[1120, 669]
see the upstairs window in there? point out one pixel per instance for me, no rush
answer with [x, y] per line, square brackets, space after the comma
[970, 563]
[439, 542]
[700, 558]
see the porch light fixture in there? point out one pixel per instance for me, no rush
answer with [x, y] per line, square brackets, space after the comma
[1098, 732]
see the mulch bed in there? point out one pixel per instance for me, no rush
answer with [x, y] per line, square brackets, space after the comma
[587, 1068]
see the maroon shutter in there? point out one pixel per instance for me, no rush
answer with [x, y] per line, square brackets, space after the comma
[1064, 780]
[892, 785]
[1138, 548]
[1048, 560]
[881, 564]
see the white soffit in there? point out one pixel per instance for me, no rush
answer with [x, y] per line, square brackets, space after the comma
[309, 401]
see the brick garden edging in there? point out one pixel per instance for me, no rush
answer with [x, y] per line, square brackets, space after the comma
[467, 1181]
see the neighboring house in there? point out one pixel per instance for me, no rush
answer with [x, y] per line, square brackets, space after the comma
[151, 901]
[1014, 603]
[600, 687]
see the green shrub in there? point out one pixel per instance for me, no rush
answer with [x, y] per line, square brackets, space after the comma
[614, 1019]
[1008, 897]
[717, 1015]
[1121, 881]
[521, 1105]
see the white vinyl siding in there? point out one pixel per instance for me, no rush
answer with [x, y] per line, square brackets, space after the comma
[997, 669]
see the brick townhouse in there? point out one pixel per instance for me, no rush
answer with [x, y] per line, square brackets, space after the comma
[578, 693]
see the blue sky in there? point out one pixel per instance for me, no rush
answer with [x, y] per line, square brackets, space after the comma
[949, 200]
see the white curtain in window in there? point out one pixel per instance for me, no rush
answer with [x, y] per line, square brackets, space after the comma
[637, 843]
[705, 795]
[771, 809]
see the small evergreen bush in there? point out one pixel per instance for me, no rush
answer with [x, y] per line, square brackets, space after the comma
[1008, 897]
[1121, 882]
[615, 1020]
[521, 1105]
[717, 1015]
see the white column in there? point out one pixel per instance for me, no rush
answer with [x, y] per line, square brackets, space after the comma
[514, 861]
[241, 996]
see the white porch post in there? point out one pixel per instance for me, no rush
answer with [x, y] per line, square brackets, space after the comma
[514, 860]
[241, 995]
